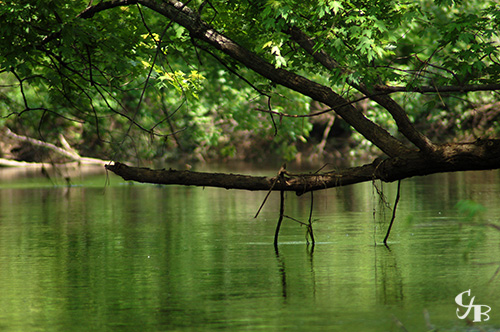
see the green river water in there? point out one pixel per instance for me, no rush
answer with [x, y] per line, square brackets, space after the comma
[133, 257]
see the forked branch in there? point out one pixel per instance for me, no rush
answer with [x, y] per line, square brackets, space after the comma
[403, 122]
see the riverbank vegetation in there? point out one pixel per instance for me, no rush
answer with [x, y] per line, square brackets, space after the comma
[123, 80]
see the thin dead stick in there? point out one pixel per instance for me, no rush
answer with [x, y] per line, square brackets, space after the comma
[280, 173]
[280, 219]
[393, 212]
[296, 220]
[281, 177]
[309, 227]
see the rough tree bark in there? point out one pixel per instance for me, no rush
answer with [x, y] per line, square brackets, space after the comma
[422, 158]
[479, 155]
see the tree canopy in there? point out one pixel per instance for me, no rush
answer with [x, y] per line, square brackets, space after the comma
[149, 78]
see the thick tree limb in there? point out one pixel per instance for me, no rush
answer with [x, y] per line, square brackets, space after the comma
[478, 155]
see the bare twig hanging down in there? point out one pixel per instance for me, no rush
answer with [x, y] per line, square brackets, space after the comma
[296, 220]
[309, 226]
[280, 219]
[280, 177]
[393, 212]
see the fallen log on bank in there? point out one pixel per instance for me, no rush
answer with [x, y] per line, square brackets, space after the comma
[69, 154]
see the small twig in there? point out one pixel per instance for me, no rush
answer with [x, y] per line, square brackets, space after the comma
[200, 9]
[91, 80]
[21, 87]
[319, 170]
[286, 115]
[280, 172]
[270, 111]
[296, 220]
[393, 212]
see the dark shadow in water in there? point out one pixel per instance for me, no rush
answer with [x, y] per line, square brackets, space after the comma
[388, 279]
[310, 251]
[282, 272]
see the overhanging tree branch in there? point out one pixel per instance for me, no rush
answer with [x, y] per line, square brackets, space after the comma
[403, 162]
[189, 19]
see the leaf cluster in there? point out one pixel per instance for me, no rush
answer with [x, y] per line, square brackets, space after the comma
[128, 75]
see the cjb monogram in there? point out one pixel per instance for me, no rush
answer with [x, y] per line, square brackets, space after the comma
[477, 308]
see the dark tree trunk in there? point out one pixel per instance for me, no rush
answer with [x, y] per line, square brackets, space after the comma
[479, 155]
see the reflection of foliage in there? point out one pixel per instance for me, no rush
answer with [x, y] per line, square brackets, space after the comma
[469, 209]
[471, 212]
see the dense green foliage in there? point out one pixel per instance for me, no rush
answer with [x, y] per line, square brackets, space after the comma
[131, 78]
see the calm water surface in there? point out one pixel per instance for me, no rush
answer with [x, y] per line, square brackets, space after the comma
[148, 258]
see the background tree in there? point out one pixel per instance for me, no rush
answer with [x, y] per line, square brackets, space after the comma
[406, 77]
